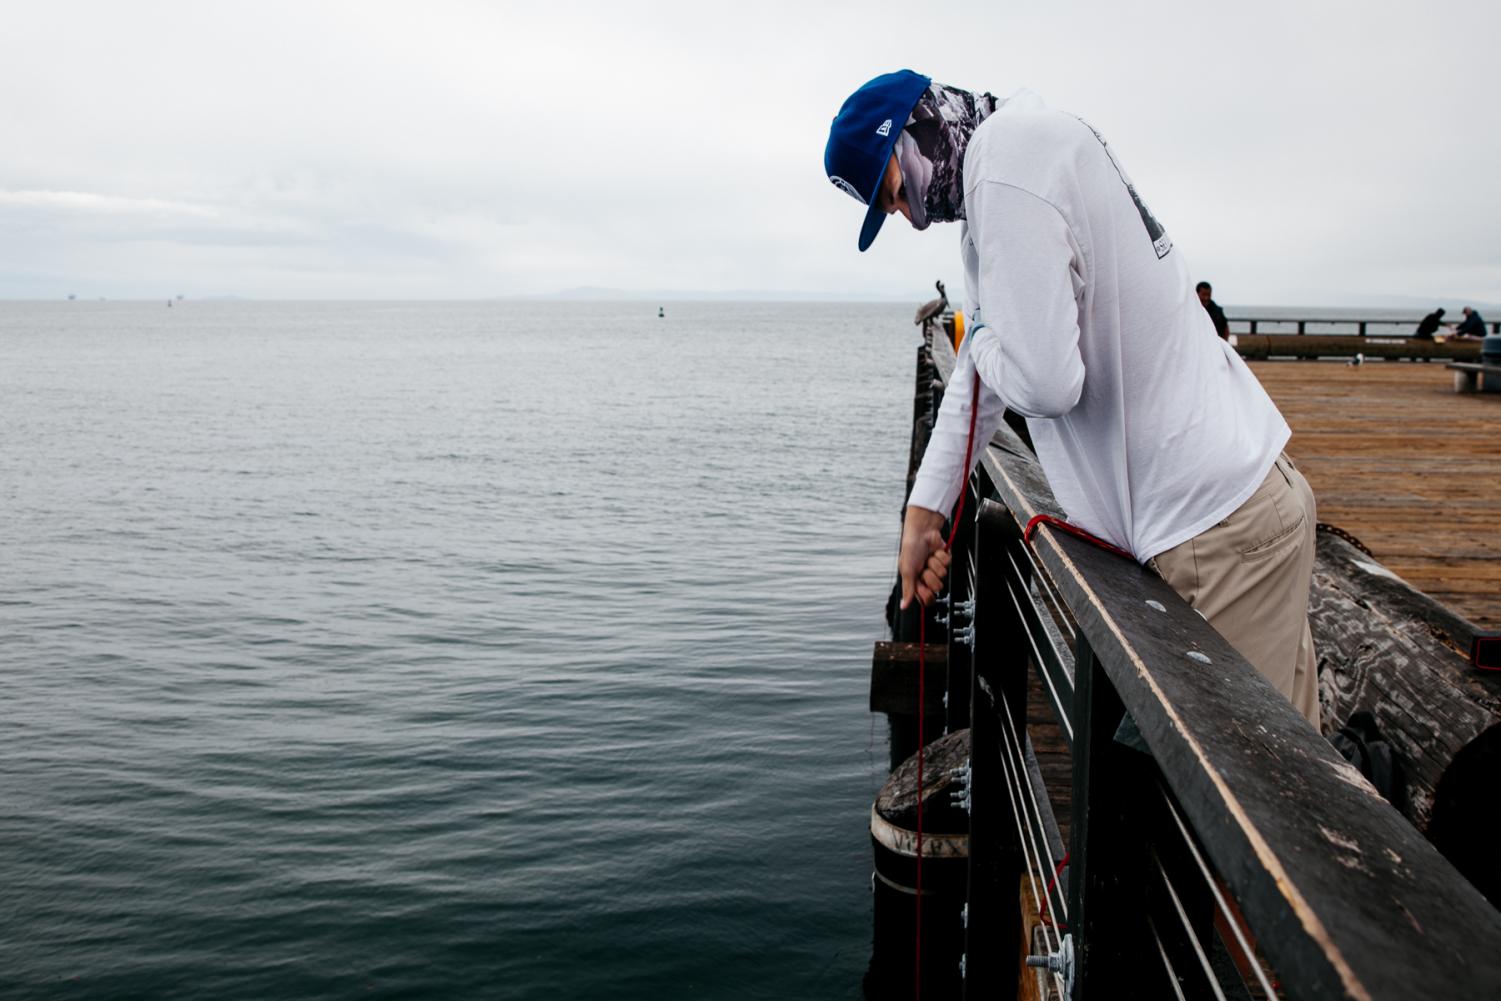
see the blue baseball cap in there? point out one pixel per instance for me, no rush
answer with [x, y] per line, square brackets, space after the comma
[862, 137]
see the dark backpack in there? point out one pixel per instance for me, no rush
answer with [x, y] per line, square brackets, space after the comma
[1363, 745]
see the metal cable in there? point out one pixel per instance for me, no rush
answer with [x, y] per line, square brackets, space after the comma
[1172, 974]
[1014, 793]
[1020, 765]
[1015, 739]
[1054, 596]
[1049, 621]
[1231, 921]
[1041, 576]
[1188, 930]
[1037, 656]
[1051, 938]
[1052, 600]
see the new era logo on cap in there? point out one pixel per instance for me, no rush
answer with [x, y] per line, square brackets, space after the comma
[885, 129]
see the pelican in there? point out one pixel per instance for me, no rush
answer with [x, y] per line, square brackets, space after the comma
[933, 310]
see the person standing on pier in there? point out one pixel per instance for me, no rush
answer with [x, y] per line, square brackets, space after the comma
[1081, 318]
[1206, 299]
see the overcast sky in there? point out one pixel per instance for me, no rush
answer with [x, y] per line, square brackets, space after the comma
[1298, 152]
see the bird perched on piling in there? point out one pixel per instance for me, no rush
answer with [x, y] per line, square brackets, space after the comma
[933, 309]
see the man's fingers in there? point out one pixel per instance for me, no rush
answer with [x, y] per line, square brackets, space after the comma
[924, 564]
[930, 580]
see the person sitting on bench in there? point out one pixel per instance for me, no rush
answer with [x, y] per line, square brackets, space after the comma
[1472, 326]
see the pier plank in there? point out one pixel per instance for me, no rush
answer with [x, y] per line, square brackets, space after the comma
[1406, 465]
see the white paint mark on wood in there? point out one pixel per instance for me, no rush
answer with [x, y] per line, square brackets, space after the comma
[1339, 840]
[1347, 772]
[1375, 568]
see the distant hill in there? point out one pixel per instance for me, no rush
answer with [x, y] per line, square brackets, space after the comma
[922, 293]
[1412, 303]
[596, 294]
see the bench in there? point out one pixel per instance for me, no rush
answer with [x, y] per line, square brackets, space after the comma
[1467, 377]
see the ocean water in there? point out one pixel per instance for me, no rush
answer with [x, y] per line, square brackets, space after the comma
[442, 650]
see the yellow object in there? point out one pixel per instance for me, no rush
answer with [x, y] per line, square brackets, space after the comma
[958, 328]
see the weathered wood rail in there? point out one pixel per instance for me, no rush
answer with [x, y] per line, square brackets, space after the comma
[1263, 346]
[1201, 802]
[1383, 326]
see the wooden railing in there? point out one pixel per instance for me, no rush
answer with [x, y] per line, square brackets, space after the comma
[1342, 325]
[1205, 810]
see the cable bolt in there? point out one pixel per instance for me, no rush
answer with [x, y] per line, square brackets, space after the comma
[960, 797]
[1060, 962]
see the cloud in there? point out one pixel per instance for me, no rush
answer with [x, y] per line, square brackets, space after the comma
[467, 149]
[87, 216]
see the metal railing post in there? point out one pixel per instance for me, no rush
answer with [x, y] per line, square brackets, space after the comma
[961, 619]
[994, 925]
[1112, 949]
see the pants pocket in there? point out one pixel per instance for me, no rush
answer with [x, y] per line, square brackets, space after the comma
[1277, 520]
[1271, 546]
[1270, 519]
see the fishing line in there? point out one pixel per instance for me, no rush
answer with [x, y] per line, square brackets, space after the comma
[922, 634]
[922, 672]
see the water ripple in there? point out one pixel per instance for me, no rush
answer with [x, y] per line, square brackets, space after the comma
[442, 650]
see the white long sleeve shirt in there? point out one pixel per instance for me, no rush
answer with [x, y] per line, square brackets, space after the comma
[1082, 317]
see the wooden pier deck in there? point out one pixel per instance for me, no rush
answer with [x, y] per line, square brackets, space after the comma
[1405, 464]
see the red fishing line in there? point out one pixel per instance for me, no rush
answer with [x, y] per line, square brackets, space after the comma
[922, 642]
[922, 636]
[1074, 530]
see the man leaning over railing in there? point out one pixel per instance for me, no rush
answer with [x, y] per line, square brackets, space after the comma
[1154, 435]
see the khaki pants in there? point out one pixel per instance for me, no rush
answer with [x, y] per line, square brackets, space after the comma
[1249, 576]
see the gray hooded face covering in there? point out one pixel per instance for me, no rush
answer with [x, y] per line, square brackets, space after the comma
[930, 151]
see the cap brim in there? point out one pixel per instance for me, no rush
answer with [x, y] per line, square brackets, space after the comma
[873, 215]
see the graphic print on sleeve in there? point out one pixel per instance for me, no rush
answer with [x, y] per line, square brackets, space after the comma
[1161, 242]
